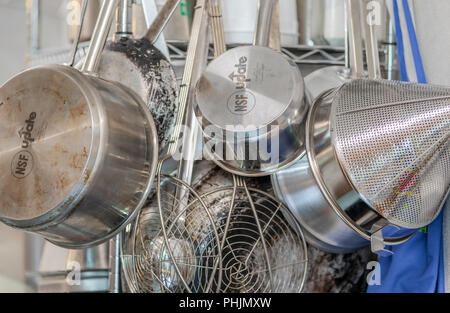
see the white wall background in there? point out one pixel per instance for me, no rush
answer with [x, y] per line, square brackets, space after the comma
[13, 32]
[13, 47]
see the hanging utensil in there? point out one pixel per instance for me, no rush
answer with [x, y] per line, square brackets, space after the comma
[139, 65]
[66, 138]
[325, 204]
[393, 178]
[251, 106]
[261, 251]
[166, 259]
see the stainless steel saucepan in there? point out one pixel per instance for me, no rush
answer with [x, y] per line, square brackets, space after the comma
[78, 154]
[251, 106]
[333, 215]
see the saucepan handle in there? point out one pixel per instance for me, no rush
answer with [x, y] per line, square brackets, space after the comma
[263, 23]
[99, 35]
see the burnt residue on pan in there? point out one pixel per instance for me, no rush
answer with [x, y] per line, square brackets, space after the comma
[160, 81]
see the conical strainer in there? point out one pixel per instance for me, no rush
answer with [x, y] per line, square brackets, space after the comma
[392, 142]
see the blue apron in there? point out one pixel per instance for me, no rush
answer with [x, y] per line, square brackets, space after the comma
[418, 264]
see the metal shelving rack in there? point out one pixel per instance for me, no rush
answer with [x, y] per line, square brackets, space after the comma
[300, 54]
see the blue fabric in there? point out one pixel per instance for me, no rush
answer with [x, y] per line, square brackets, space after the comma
[420, 71]
[418, 264]
[400, 44]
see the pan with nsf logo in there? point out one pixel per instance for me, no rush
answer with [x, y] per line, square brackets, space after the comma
[78, 153]
[251, 105]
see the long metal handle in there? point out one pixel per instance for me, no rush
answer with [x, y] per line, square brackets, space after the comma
[192, 72]
[161, 20]
[114, 265]
[196, 48]
[150, 13]
[99, 35]
[215, 13]
[76, 40]
[371, 41]
[124, 19]
[275, 35]
[263, 23]
[355, 42]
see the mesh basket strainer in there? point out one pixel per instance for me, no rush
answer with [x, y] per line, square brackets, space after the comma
[392, 141]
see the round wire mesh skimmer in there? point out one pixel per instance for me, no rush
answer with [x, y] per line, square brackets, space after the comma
[167, 259]
[225, 243]
[261, 251]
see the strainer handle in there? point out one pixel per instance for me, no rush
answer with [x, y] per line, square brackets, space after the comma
[355, 42]
[378, 243]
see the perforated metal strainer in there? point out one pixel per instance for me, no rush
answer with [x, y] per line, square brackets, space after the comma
[392, 142]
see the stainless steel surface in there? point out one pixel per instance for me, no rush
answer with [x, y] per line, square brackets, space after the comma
[68, 136]
[139, 65]
[172, 242]
[297, 186]
[392, 142]
[161, 20]
[240, 255]
[270, 75]
[73, 271]
[89, 21]
[355, 42]
[261, 252]
[77, 38]
[335, 218]
[263, 23]
[215, 13]
[236, 239]
[233, 109]
[142, 21]
[124, 19]
[114, 265]
[191, 129]
[167, 253]
[74, 146]
[275, 33]
[33, 24]
[99, 35]
[311, 19]
[179, 26]
[371, 42]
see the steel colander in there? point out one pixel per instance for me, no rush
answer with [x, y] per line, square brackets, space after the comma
[392, 141]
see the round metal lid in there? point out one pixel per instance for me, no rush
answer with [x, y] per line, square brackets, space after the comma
[248, 86]
[46, 135]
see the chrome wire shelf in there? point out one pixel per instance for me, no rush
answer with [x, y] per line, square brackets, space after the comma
[300, 54]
